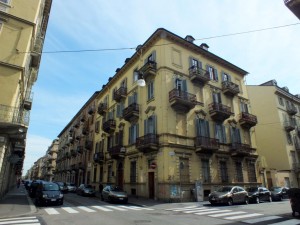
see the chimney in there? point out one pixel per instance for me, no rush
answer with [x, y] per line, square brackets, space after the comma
[117, 70]
[204, 46]
[127, 60]
[189, 38]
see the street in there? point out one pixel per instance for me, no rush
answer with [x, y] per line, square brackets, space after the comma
[90, 210]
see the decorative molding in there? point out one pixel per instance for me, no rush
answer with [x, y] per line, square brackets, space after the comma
[150, 108]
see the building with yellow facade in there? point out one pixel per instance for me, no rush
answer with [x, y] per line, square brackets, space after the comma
[23, 26]
[277, 133]
[175, 117]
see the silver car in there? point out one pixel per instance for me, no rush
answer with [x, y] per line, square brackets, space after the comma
[114, 194]
[229, 195]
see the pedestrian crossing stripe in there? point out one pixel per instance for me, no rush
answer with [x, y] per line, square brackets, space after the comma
[32, 220]
[262, 219]
[243, 216]
[107, 208]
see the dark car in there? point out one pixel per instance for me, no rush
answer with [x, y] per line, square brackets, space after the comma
[63, 186]
[48, 193]
[114, 194]
[32, 188]
[86, 190]
[229, 195]
[27, 184]
[279, 193]
[258, 194]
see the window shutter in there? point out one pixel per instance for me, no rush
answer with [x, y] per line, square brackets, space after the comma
[118, 110]
[238, 135]
[130, 100]
[145, 127]
[206, 128]
[216, 74]
[154, 124]
[137, 131]
[223, 76]
[129, 136]
[184, 85]
[135, 97]
[229, 78]
[223, 134]
[200, 64]
[190, 62]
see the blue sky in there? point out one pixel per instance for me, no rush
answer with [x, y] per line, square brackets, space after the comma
[67, 80]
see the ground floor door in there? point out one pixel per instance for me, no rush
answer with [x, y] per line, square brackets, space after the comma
[120, 175]
[151, 185]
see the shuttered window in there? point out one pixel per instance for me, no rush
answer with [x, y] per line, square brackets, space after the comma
[133, 133]
[133, 172]
[213, 72]
[220, 133]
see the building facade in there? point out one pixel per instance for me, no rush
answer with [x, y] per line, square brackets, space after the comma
[294, 6]
[23, 26]
[189, 128]
[277, 133]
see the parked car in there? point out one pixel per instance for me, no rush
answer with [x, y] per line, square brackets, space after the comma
[32, 188]
[279, 193]
[114, 194]
[85, 190]
[27, 184]
[258, 194]
[63, 186]
[48, 193]
[71, 187]
[229, 195]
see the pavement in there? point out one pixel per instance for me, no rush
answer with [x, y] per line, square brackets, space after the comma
[17, 203]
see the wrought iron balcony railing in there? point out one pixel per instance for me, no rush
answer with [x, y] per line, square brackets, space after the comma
[219, 111]
[206, 144]
[247, 120]
[14, 115]
[199, 76]
[182, 101]
[230, 88]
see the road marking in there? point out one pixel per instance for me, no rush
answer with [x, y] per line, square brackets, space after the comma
[242, 216]
[262, 219]
[288, 222]
[69, 210]
[51, 211]
[187, 209]
[86, 209]
[19, 218]
[200, 210]
[212, 212]
[131, 207]
[116, 208]
[227, 214]
[102, 208]
[142, 208]
[26, 221]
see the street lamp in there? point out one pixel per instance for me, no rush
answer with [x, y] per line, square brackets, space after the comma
[141, 81]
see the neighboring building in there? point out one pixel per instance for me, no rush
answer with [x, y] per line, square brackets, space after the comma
[277, 133]
[294, 6]
[50, 161]
[23, 26]
[189, 124]
[74, 159]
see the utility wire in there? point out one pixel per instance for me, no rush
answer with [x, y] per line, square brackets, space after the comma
[198, 39]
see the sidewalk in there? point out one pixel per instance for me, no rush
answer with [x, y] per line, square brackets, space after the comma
[16, 203]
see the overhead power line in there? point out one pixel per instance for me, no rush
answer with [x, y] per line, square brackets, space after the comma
[198, 39]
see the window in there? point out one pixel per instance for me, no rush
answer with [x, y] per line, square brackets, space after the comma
[184, 170]
[95, 174]
[150, 125]
[235, 136]
[133, 133]
[239, 172]
[3, 7]
[135, 75]
[280, 100]
[133, 98]
[109, 174]
[213, 73]
[220, 133]
[150, 88]
[205, 171]
[202, 128]
[217, 97]
[289, 138]
[251, 172]
[97, 125]
[195, 64]
[244, 107]
[120, 108]
[5, 1]
[223, 171]
[226, 77]
[133, 172]
[151, 58]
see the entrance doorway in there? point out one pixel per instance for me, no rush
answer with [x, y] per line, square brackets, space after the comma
[120, 175]
[151, 185]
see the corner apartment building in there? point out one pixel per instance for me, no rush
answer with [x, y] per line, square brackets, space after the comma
[190, 126]
[50, 161]
[23, 26]
[277, 133]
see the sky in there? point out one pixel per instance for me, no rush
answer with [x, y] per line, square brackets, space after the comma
[67, 80]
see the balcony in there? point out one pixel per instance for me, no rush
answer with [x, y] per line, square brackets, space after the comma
[88, 145]
[73, 153]
[91, 110]
[109, 126]
[289, 125]
[102, 108]
[13, 116]
[229, 88]
[239, 149]
[247, 120]
[206, 144]
[116, 152]
[219, 112]
[99, 157]
[27, 104]
[148, 69]
[199, 76]
[182, 101]
[132, 112]
[298, 132]
[296, 167]
[147, 143]
[85, 130]
[291, 109]
[120, 94]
